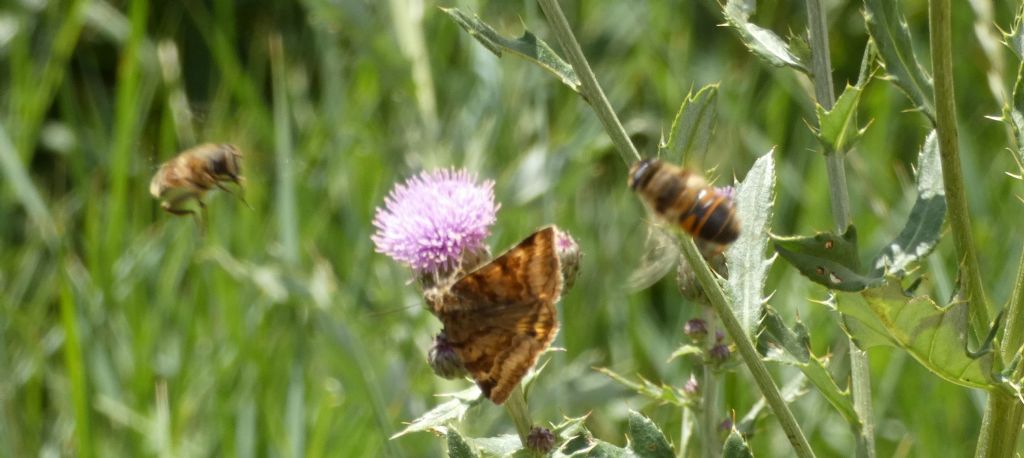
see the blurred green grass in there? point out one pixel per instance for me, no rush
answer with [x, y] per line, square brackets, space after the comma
[281, 332]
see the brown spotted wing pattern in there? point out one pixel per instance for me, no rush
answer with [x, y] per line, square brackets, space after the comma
[501, 316]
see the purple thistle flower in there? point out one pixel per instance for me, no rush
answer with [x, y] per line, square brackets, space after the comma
[431, 219]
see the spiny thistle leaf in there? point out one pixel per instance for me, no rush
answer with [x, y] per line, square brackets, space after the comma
[435, 419]
[503, 445]
[736, 447]
[1014, 39]
[888, 30]
[935, 336]
[527, 46]
[457, 446]
[837, 128]
[827, 259]
[664, 393]
[924, 226]
[790, 391]
[778, 343]
[693, 125]
[646, 440]
[762, 42]
[748, 268]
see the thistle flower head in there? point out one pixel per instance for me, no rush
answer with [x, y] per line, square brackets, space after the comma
[431, 219]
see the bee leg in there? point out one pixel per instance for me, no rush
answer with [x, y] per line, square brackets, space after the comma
[202, 218]
[238, 195]
[172, 208]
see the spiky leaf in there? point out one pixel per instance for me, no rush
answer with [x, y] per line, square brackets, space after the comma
[755, 198]
[736, 447]
[664, 393]
[837, 128]
[888, 30]
[935, 336]
[1014, 39]
[503, 445]
[924, 226]
[457, 446]
[527, 46]
[693, 125]
[435, 419]
[826, 259]
[762, 42]
[779, 343]
[646, 439]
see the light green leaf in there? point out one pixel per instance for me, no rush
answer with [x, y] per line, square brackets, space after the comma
[793, 389]
[457, 446]
[755, 199]
[527, 46]
[435, 419]
[664, 393]
[503, 445]
[924, 226]
[935, 336]
[686, 350]
[1014, 39]
[693, 125]
[837, 128]
[647, 440]
[778, 343]
[826, 259]
[736, 447]
[762, 42]
[888, 30]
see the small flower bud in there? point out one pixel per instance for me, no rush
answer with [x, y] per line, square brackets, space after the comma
[569, 254]
[719, 353]
[696, 329]
[726, 425]
[540, 440]
[691, 388]
[443, 359]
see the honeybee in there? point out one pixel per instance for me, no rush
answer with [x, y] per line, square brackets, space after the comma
[685, 198]
[194, 171]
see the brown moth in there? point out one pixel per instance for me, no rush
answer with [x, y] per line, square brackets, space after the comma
[501, 316]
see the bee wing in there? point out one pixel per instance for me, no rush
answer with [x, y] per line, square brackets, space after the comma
[661, 254]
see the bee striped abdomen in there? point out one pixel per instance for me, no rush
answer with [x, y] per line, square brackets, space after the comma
[682, 197]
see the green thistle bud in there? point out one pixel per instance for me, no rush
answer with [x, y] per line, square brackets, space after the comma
[443, 359]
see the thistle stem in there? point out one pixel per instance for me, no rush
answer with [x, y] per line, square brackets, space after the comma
[746, 349]
[824, 91]
[520, 413]
[592, 91]
[709, 395]
[1002, 420]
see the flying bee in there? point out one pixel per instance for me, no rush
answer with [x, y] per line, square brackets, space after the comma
[194, 171]
[685, 198]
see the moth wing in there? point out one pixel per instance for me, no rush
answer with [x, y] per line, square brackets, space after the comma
[503, 314]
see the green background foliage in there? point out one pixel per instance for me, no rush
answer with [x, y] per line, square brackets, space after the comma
[124, 332]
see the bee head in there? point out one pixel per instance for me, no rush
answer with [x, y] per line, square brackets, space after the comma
[641, 172]
[226, 163]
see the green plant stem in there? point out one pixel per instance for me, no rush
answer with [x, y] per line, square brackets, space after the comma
[520, 413]
[73, 362]
[592, 91]
[1000, 426]
[952, 176]
[1001, 423]
[709, 398]
[824, 91]
[590, 88]
[746, 348]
